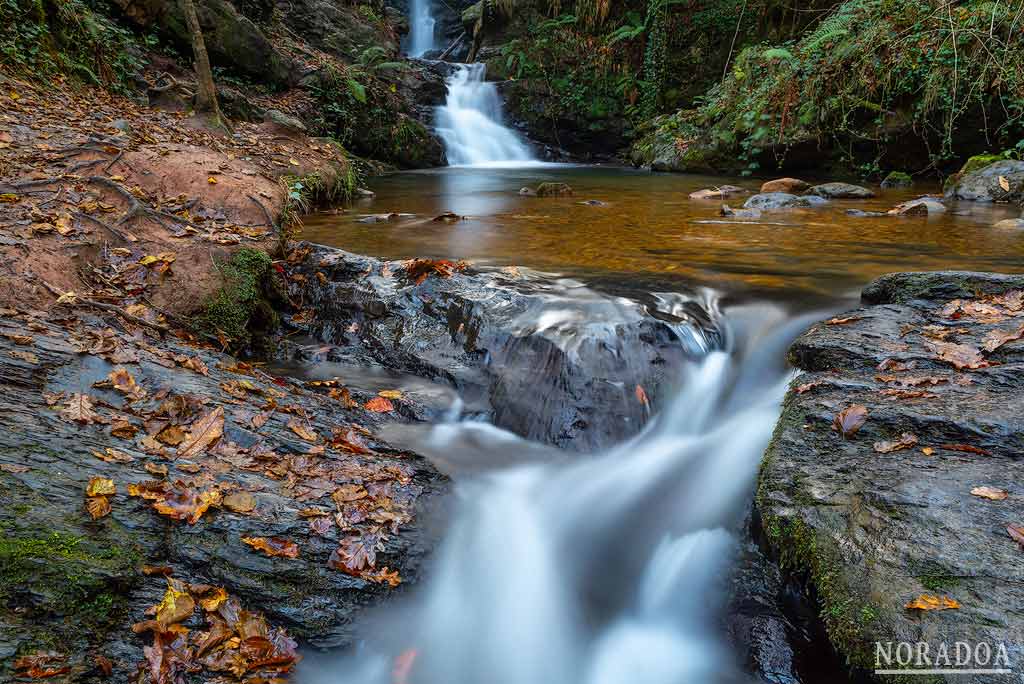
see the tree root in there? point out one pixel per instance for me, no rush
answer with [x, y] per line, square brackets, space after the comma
[137, 209]
[266, 213]
[126, 237]
[81, 301]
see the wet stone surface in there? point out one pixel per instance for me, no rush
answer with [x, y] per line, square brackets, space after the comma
[920, 499]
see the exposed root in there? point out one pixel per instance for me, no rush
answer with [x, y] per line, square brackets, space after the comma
[81, 301]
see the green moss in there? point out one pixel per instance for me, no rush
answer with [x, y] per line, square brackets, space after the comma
[897, 179]
[240, 309]
[978, 162]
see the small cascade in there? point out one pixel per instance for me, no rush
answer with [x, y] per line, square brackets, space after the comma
[421, 28]
[470, 122]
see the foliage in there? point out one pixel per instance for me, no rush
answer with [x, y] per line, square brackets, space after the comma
[230, 310]
[871, 70]
[48, 38]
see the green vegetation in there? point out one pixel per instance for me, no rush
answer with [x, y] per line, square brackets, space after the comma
[242, 309]
[46, 39]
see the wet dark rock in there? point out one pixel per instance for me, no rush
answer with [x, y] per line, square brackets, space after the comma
[860, 213]
[841, 191]
[551, 361]
[874, 530]
[987, 183]
[782, 200]
[75, 584]
[283, 123]
[527, 192]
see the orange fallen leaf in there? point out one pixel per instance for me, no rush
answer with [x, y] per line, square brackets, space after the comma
[967, 448]
[348, 492]
[379, 405]
[1016, 533]
[848, 421]
[205, 432]
[843, 321]
[905, 441]
[274, 546]
[177, 604]
[299, 427]
[100, 486]
[240, 502]
[927, 451]
[929, 602]
[98, 506]
[993, 493]
[960, 356]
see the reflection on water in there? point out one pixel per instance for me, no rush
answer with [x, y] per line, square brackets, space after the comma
[650, 228]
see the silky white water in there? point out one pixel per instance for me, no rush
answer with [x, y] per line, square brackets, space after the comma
[421, 28]
[607, 568]
[470, 122]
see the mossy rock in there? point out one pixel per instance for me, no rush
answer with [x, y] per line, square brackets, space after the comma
[897, 179]
[244, 309]
[554, 190]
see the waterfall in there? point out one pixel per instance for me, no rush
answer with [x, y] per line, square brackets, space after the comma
[421, 30]
[470, 122]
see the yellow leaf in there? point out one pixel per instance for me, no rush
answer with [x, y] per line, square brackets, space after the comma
[929, 602]
[390, 394]
[293, 162]
[927, 451]
[98, 506]
[177, 604]
[117, 178]
[211, 180]
[992, 493]
[100, 486]
[1004, 184]
[297, 426]
[15, 96]
[65, 225]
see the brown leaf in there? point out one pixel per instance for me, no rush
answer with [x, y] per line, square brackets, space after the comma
[123, 429]
[808, 386]
[348, 440]
[928, 451]
[25, 356]
[205, 432]
[157, 469]
[348, 492]
[299, 427]
[960, 356]
[13, 468]
[98, 506]
[193, 363]
[384, 576]
[843, 321]
[80, 410]
[109, 455]
[181, 502]
[929, 602]
[343, 395]
[848, 421]
[240, 502]
[212, 598]
[997, 338]
[18, 339]
[1016, 533]
[967, 448]
[172, 435]
[905, 441]
[274, 546]
[379, 405]
[104, 665]
[894, 394]
[992, 493]
[321, 525]
[121, 380]
[177, 604]
[356, 554]
[41, 665]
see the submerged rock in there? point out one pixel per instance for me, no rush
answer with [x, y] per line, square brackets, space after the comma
[860, 213]
[792, 185]
[726, 210]
[841, 191]
[1013, 224]
[551, 189]
[782, 200]
[720, 192]
[549, 360]
[1002, 181]
[911, 503]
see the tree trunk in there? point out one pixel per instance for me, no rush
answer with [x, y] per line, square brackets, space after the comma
[206, 95]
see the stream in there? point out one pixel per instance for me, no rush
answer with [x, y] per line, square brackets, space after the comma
[616, 564]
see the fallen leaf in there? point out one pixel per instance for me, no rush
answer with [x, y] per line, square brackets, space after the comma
[274, 546]
[848, 421]
[100, 486]
[843, 321]
[1004, 183]
[172, 435]
[158, 469]
[997, 338]
[384, 576]
[927, 451]
[240, 502]
[176, 606]
[348, 492]
[808, 386]
[379, 405]
[19, 339]
[299, 427]
[343, 395]
[182, 502]
[123, 429]
[121, 380]
[104, 665]
[390, 394]
[41, 665]
[28, 357]
[321, 525]
[348, 440]
[205, 432]
[13, 468]
[905, 441]
[967, 448]
[80, 410]
[109, 455]
[98, 506]
[993, 493]
[960, 356]
[1016, 533]
[929, 602]
[641, 396]
[211, 180]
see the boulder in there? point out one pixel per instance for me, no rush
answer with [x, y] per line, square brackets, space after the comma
[841, 191]
[552, 189]
[1002, 181]
[922, 206]
[782, 200]
[792, 185]
[1010, 224]
[527, 192]
[233, 41]
[860, 213]
[284, 124]
[897, 179]
[892, 512]
[726, 210]
[716, 193]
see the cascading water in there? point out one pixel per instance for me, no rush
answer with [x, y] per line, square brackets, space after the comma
[598, 569]
[421, 28]
[470, 122]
